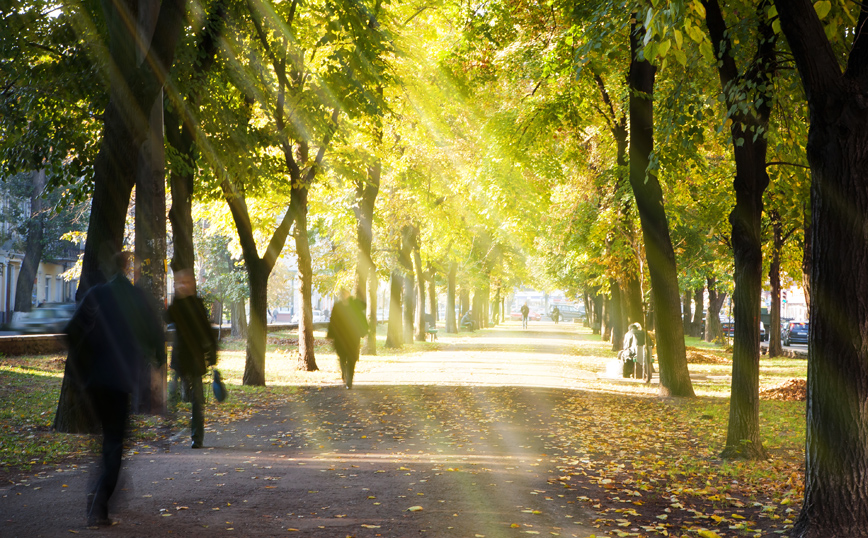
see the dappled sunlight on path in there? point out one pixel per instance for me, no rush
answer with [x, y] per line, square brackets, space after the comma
[544, 355]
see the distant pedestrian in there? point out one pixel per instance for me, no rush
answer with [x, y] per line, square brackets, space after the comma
[194, 348]
[467, 321]
[634, 341]
[346, 327]
[116, 333]
[556, 315]
[525, 312]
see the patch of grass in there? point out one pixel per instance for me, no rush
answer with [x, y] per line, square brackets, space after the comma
[29, 389]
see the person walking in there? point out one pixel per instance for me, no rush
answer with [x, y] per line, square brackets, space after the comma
[116, 333]
[556, 314]
[525, 312]
[346, 327]
[634, 341]
[194, 348]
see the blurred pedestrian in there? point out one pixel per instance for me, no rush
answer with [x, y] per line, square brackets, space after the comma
[525, 312]
[556, 314]
[634, 341]
[114, 330]
[346, 327]
[194, 348]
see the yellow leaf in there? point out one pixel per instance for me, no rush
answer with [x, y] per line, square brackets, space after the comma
[708, 534]
[515, 526]
[736, 516]
[414, 508]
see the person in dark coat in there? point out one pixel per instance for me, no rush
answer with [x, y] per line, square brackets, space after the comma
[117, 333]
[347, 325]
[525, 312]
[194, 348]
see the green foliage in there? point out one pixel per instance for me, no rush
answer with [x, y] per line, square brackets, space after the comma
[51, 95]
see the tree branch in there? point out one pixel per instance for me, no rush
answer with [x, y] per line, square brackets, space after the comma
[817, 63]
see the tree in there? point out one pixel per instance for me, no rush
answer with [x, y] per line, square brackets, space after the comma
[133, 89]
[748, 96]
[674, 377]
[832, 64]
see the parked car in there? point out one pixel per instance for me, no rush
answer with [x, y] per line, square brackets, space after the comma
[729, 330]
[570, 312]
[796, 333]
[48, 318]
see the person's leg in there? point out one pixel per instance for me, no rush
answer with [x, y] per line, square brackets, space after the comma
[112, 408]
[352, 358]
[197, 421]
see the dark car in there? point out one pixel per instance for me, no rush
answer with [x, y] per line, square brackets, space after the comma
[45, 319]
[570, 312]
[729, 330]
[796, 333]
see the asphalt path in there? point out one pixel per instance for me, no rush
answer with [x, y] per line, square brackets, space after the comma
[452, 442]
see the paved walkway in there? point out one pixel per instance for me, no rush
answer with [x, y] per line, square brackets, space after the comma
[458, 441]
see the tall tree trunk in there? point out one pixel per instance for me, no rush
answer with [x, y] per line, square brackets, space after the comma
[496, 303]
[774, 329]
[181, 133]
[589, 311]
[394, 331]
[674, 376]
[477, 308]
[254, 363]
[451, 324]
[34, 247]
[150, 249]
[370, 347]
[432, 294]
[420, 295]
[617, 315]
[807, 263]
[464, 300]
[699, 309]
[409, 305]
[306, 358]
[749, 146]
[606, 318]
[836, 453]
[713, 327]
[686, 314]
[239, 320]
[597, 303]
[133, 88]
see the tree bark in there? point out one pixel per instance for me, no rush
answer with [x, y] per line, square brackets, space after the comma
[698, 311]
[420, 294]
[394, 331]
[687, 316]
[774, 329]
[254, 362]
[432, 294]
[606, 318]
[133, 88]
[239, 320]
[807, 262]
[451, 323]
[836, 453]
[464, 299]
[373, 290]
[618, 326]
[713, 327]
[34, 247]
[743, 439]
[405, 259]
[671, 354]
[181, 127]
[150, 250]
[306, 357]
[366, 273]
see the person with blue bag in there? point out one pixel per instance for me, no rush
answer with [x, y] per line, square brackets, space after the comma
[194, 349]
